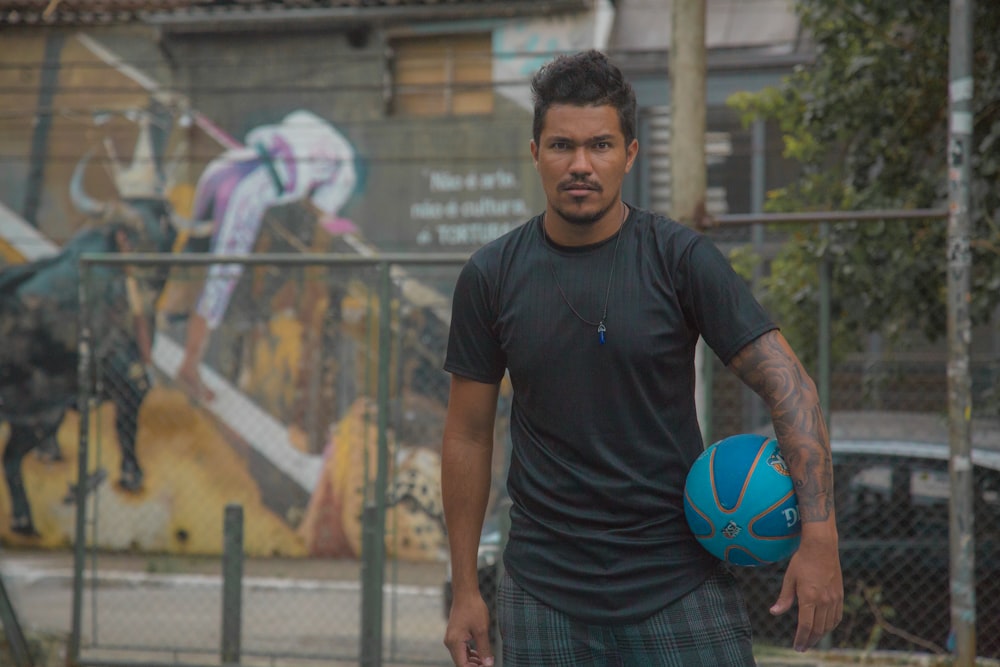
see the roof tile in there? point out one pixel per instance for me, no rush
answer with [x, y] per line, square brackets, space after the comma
[71, 12]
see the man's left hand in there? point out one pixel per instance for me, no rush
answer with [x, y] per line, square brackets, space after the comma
[813, 578]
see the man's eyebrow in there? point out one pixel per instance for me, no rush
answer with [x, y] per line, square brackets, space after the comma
[591, 140]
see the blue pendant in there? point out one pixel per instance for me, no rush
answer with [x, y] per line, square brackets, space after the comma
[601, 329]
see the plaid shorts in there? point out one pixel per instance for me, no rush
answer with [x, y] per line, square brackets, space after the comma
[708, 627]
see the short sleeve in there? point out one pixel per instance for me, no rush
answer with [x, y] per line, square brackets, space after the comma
[474, 349]
[719, 302]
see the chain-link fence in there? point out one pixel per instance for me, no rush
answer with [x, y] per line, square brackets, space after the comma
[317, 412]
[861, 301]
[323, 426]
[885, 396]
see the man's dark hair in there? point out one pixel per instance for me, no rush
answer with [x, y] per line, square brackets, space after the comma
[584, 79]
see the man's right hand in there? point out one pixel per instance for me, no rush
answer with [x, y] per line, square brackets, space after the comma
[468, 633]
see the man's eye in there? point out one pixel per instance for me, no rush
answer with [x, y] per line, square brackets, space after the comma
[602, 145]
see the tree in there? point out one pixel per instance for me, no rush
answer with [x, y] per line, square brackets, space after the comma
[868, 122]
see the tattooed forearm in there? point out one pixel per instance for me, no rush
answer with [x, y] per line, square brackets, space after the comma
[771, 369]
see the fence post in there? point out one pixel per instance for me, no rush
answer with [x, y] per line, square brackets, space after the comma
[232, 584]
[962, 545]
[373, 527]
[16, 641]
[825, 334]
[83, 404]
[756, 415]
[825, 343]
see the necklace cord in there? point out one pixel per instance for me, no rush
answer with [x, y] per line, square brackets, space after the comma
[601, 328]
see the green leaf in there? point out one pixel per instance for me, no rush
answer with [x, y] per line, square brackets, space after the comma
[868, 123]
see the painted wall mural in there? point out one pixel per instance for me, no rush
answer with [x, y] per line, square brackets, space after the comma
[39, 361]
[222, 383]
[301, 159]
[533, 41]
[469, 207]
[174, 434]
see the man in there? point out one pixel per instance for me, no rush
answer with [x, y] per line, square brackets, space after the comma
[594, 309]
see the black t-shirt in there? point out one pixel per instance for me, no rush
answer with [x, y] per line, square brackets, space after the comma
[603, 434]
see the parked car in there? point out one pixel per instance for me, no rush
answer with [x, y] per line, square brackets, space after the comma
[892, 488]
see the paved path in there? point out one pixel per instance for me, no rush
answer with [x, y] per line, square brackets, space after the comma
[290, 607]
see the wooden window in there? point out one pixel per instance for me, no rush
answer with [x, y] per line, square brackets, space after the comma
[442, 75]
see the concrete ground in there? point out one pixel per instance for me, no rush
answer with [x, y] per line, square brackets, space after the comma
[291, 606]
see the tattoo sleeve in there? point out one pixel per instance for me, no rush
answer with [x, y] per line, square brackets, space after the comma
[769, 367]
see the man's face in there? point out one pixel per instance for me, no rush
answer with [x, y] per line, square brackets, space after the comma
[582, 158]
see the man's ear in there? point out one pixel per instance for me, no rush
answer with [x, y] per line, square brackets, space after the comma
[534, 152]
[630, 153]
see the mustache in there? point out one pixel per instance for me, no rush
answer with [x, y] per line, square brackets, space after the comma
[580, 185]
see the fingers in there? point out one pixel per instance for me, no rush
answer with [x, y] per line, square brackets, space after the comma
[458, 652]
[468, 634]
[464, 655]
[813, 625]
[821, 606]
[476, 659]
[805, 636]
[483, 650]
[815, 621]
[785, 599]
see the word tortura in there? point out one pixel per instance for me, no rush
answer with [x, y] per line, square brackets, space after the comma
[470, 233]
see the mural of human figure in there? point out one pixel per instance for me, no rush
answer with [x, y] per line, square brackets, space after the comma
[302, 158]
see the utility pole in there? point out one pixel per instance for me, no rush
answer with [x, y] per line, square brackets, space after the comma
[688, 170]
[688, 173]
[962, 549]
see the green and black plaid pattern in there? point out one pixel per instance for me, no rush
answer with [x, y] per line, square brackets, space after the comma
[708, 627]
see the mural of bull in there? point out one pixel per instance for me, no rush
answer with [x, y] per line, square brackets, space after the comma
[39, 310]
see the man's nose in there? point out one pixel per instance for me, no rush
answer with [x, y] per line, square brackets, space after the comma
[581, 162]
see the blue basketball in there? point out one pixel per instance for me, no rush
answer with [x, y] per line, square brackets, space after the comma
[740, 502]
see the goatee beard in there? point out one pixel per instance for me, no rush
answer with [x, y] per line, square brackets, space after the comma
[583, 219]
